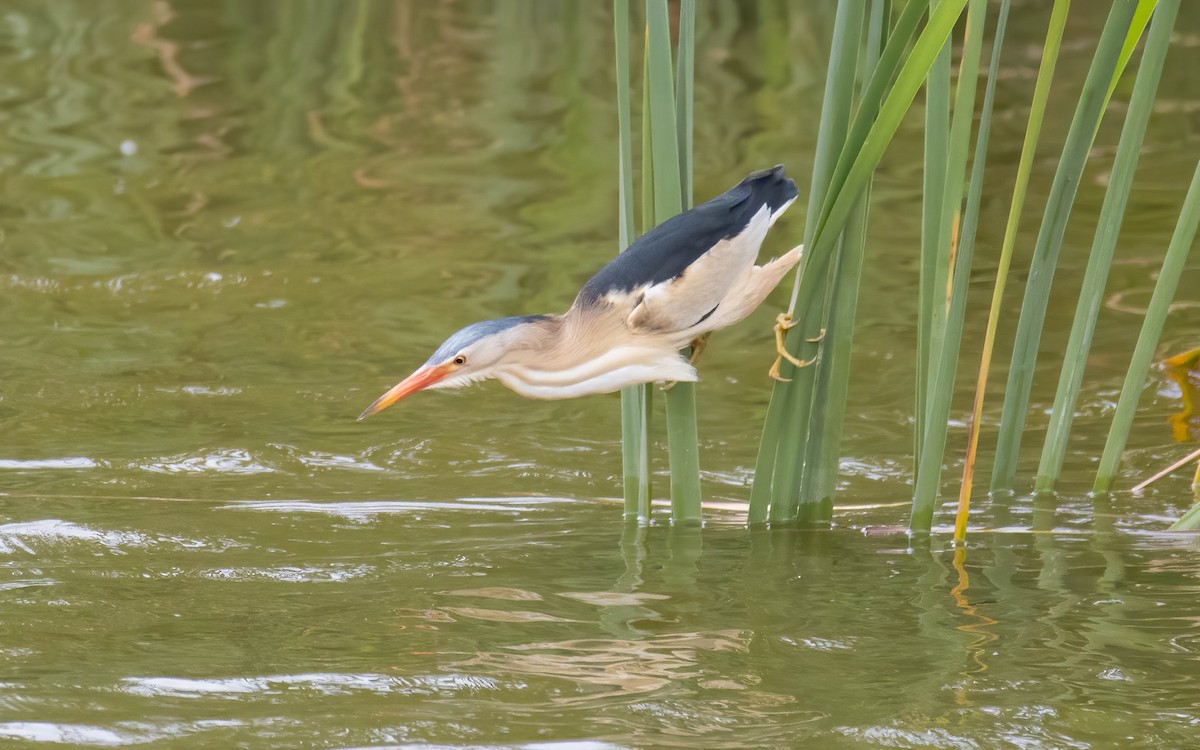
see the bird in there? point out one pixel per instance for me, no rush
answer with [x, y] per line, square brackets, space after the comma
[693, 274]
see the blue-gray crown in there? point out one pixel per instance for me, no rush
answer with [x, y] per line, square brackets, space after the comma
[464, 337]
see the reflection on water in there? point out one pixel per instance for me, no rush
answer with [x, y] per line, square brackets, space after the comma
[1184, 369]
[626, 667]
[474, 628]
[227, 225]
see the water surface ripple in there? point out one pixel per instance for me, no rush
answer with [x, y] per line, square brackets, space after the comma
[228, 226]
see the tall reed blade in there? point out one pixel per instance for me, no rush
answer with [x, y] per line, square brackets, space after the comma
[1049, 240]
[682, 434]
[647, 392]
[946, 340]
[849, 183]
[685, 502]
[782, 433]
[685, 74]
[855, 166]
[954, 161]
[783, 450]
[833, 376]
[824, 162]
[1033, 129]
[970, 223]
[648, 221]
[932, 295]
[885, 73]
[1156, 315]
[635, 449]
[1141, 19]
[1100, 260]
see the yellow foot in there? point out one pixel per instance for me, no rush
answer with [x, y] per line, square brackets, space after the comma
[698, 345]
[782, 324]
[774, 371]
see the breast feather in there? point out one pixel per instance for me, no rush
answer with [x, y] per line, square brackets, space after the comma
[608, 372]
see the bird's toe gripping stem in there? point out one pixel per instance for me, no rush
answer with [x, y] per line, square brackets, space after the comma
[782, 324]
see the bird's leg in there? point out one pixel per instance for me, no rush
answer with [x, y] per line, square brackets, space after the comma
[698, 345]
[782, 323]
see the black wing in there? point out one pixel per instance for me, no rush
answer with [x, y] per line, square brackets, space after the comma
[668, 249]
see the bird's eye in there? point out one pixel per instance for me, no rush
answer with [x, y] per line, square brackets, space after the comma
[460, 360]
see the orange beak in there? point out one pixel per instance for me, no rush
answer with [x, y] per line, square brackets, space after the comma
[419, 380]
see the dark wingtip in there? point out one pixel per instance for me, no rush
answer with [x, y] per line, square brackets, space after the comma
[773, 185]
[775, 173]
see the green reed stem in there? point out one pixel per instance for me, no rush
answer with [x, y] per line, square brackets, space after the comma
[825, 160]
[647, 145]
[1141, 19]
[931, 296]
[1046, 249]
[953, 186]
[768, 490]
[847, 185]
[645, 506]
[1033, 129]
[948, 341]
[970, 223]
[635, 443]
[833, 376]
[624, 128]
[1156, 315]
[855, 167]
[682, 433]
[1112, 214]
[686, 503]
[685, 75]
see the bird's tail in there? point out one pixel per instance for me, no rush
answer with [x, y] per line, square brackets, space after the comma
[773, 188]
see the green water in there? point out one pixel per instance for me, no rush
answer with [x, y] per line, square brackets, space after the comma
[228, 226]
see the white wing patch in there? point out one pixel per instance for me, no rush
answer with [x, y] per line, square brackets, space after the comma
[779, 211]
[681, 302]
